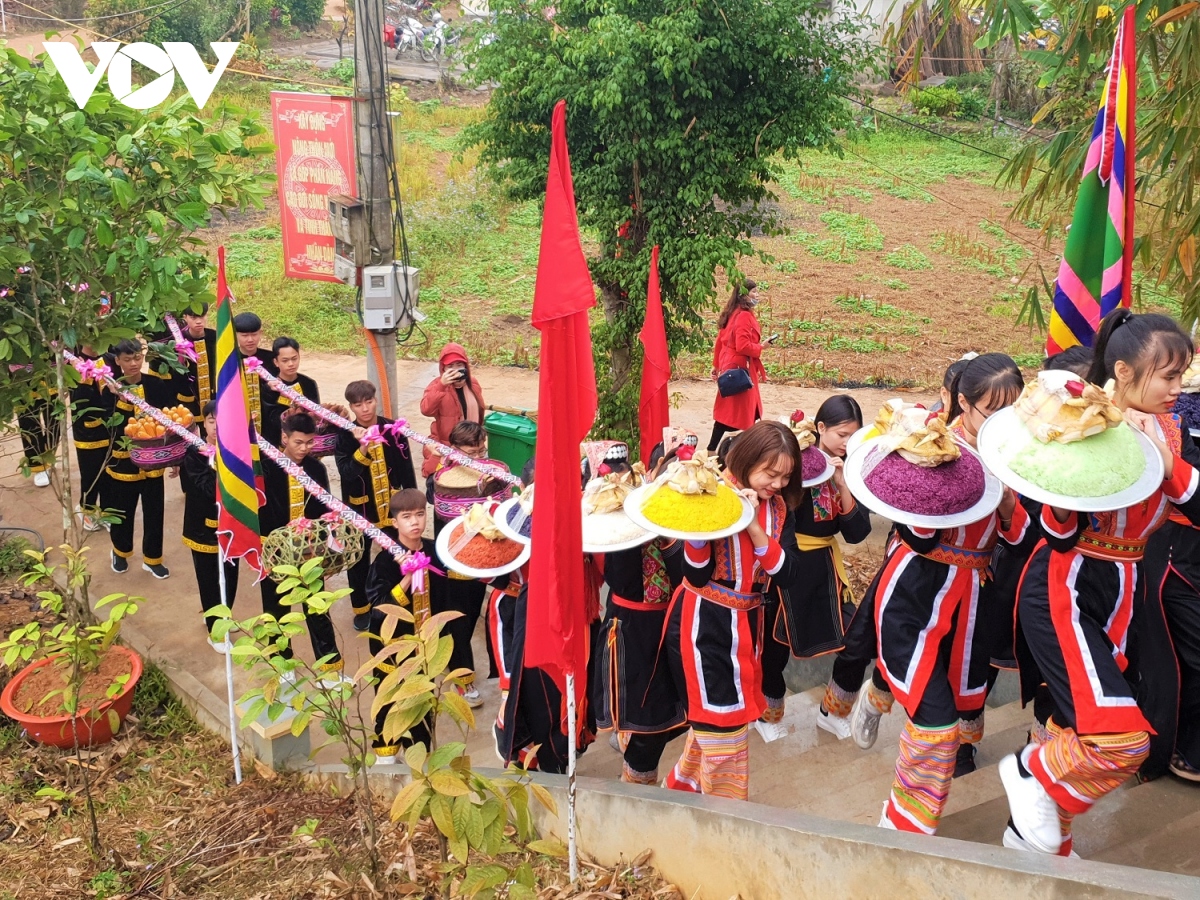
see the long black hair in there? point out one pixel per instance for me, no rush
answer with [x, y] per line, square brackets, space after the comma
[837, 410]
[1146, 342]
[739, 299]
[984, 377]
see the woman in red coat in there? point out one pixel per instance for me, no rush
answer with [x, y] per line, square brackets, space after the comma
[739, 346]
[454, 396]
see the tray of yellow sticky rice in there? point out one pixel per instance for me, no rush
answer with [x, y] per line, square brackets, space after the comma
[690, 501]
[1064, 443]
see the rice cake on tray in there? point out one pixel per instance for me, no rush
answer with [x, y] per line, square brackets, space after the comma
[950, 495]
[726, 506]
[491, 558]
[1086, 467]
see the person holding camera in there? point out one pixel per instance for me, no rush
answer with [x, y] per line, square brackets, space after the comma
[454, 396]
[737, 364]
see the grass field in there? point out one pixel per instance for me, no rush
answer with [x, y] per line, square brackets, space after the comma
[901, 255]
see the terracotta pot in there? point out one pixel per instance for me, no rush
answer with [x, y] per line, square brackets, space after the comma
[91, 726]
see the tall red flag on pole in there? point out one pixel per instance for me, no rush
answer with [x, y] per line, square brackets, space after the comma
[654, 407]
[556, 629]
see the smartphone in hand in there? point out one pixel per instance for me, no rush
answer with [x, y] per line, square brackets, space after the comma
[773, 338]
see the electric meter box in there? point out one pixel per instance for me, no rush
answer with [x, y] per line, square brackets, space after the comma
[348, 221]
[389, 296]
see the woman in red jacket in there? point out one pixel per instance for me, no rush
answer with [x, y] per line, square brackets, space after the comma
[454, 396]
[739, 346]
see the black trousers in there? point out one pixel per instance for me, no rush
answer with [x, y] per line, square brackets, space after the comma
[465, 597]
[123, 497]
[720, 429]
[320, 626]
[356, 577]
[40, 432]
[775, 658]
[644, 751]
[1181, 603]
[420, 733]
[209, 584]
[92, 477]
[850, 665]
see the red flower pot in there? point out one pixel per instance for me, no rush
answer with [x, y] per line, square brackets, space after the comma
[91, 726]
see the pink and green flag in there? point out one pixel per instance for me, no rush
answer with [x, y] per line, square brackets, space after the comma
[1096, 275]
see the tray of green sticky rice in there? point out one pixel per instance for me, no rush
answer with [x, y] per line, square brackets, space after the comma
[1111, 470]
[661, 510]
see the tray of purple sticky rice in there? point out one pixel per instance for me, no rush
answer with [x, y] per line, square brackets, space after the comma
[514, 523]
[1187, 407]
[951, 495]
[866, 433]
[815, 467]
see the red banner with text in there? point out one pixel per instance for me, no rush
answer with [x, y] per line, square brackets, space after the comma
[314, 135]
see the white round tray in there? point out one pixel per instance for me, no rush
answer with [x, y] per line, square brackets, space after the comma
[856, 439]
[992, 492]
[633, 509]
[824, 476]
[443, 550]
[621, 545]
[501, 517]
[995, 432]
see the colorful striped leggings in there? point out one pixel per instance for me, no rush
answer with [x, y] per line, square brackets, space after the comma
[924, 769]
[715, 763]
[1078, 770]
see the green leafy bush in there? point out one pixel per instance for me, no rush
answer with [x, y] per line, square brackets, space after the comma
[343, 70]
[973, 106]
[935, 101]
[306, 14]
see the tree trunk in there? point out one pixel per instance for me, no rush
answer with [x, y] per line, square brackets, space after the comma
[620, 353]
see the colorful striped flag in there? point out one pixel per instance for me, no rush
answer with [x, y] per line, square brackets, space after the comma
[1096, 275]
[237, 463]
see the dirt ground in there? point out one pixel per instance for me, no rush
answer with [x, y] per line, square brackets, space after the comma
[955, 314]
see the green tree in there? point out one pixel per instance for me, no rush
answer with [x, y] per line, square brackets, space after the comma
[677, 115]
[1168, 157]
[99, 210]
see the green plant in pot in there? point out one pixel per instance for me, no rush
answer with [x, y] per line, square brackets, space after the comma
[77, 685]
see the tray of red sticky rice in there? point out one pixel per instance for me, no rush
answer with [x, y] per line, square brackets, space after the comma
[480, 557]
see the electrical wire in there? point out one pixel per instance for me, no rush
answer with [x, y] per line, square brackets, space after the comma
[258, 75]
[1000, 156]
[120, 15]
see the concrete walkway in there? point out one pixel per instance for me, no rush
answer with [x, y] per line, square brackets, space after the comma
[1151, 826]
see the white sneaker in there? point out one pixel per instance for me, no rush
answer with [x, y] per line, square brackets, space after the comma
[384, 760]
[884, 822]
[1034, 813]
[223, 647]
[1014, 841]
[838, 726]
[864, 719]
[472, 697]
[41, 479]
[90, 524]
[770, 731]
[615, 742]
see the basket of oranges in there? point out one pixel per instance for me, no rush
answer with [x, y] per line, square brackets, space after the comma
[154, 445]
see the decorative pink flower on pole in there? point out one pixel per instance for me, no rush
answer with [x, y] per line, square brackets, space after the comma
[252, 363]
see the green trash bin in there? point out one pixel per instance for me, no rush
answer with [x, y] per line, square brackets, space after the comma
[511, 439]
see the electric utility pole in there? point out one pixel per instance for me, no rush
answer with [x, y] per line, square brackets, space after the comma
[374, 172]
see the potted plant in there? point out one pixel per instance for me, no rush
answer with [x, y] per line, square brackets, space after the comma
[77, 686]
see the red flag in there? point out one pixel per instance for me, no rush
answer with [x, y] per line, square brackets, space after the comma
[556, 628]
[654, 407]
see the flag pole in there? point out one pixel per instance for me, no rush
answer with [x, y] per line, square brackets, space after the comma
[572, 849]
[233, 738]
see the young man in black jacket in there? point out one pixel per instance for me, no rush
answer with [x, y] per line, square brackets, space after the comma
[198, 479]
[274, 404]
[287, 501]
[249, 335]
[370, 474]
